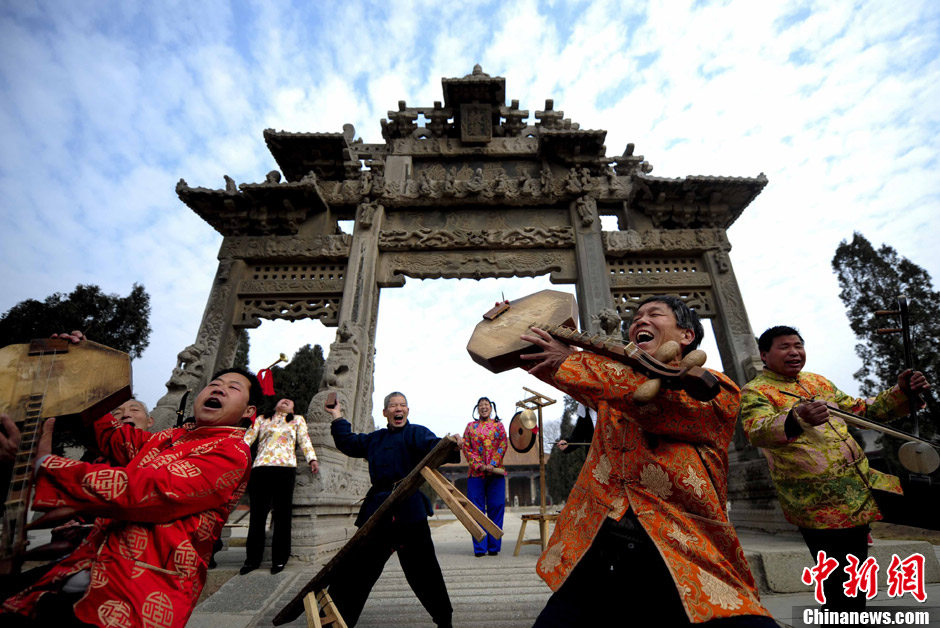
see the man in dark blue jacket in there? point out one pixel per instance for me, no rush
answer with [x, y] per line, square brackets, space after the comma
[392, 453]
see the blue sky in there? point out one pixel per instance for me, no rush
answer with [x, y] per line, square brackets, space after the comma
[105, 106]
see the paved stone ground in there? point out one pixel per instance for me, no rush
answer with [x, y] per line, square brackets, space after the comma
[495, 592]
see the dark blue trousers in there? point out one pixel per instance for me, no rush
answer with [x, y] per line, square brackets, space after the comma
[489, 495]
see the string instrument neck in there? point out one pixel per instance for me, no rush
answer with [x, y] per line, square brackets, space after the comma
[698, 382]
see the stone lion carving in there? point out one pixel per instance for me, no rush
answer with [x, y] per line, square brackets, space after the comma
[609, 321]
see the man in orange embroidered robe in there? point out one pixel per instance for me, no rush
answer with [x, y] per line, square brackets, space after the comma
[158, 515]
[645, 521]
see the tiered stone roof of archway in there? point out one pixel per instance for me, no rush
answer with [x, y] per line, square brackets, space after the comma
[334, 171]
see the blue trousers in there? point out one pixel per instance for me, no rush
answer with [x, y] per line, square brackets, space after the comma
[489, 495]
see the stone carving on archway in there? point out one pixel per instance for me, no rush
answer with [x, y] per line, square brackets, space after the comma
[477, 191]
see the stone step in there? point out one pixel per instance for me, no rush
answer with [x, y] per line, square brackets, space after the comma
[777, 562]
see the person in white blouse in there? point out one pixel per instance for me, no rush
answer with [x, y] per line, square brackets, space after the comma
[271, 487]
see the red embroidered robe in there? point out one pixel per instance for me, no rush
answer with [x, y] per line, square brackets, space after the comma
[158, 517]
[667, 460]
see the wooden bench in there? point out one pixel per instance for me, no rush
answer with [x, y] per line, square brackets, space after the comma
[543, 521]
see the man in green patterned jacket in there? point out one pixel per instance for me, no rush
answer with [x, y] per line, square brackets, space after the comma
[821, 474]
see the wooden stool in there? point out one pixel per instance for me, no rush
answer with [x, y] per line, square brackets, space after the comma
[319, 601]
[543, 521]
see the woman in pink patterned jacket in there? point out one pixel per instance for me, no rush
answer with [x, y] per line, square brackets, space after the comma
[484, 445]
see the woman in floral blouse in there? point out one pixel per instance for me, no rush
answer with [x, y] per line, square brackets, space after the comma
[484, 445]
[272, 481]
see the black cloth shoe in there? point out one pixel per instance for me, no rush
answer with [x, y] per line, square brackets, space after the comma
[247, 568]
[492, 553]
[277, 568]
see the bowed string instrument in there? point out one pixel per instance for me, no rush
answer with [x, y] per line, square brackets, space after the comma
[918, 456]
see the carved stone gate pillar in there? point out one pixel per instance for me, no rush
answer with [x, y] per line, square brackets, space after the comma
[324, 507]
[593, 286]
[753, 500]
[733, 332]
[215, 343]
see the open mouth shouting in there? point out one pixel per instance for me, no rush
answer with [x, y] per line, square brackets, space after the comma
[214, 403]
[643, 338]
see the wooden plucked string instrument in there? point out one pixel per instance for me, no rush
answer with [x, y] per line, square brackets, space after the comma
[50, 378]
[496, 345]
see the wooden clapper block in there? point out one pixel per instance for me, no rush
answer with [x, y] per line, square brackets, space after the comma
[472, 518]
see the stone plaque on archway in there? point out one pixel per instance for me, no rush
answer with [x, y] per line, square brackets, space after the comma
[477, 190]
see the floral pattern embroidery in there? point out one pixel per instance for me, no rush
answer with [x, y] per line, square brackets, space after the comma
[680, 537]
[656, 480]
[484, 442]
[718, 592]
[694, 481]
[627, 468]
[601, 472]
[823, 479]
[277, 440]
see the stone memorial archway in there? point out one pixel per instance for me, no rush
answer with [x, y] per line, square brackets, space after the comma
[465, 188]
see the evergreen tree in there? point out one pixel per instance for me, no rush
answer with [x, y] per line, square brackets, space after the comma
[242, 349]
[562, 468]
[871, 279]
[121, 323]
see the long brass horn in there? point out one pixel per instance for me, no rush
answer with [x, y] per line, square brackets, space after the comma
[282, 358]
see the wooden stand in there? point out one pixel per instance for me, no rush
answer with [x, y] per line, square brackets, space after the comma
[536, 402]
[543, 521]
[320, 601]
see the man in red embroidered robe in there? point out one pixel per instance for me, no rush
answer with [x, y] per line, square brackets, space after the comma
[144, 562]
[645, 524]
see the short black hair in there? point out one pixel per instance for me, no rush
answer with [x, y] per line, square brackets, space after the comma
[766, 340]
[686, 318]
[255, 397]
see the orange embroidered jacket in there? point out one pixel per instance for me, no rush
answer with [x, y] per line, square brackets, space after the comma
[667, 460]
[158, 517]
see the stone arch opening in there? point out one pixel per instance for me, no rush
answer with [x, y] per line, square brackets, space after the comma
[466, 188]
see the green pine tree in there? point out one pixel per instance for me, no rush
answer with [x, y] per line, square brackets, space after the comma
[871, 279]
[562, 468]
[242, 349]
[122, 323]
